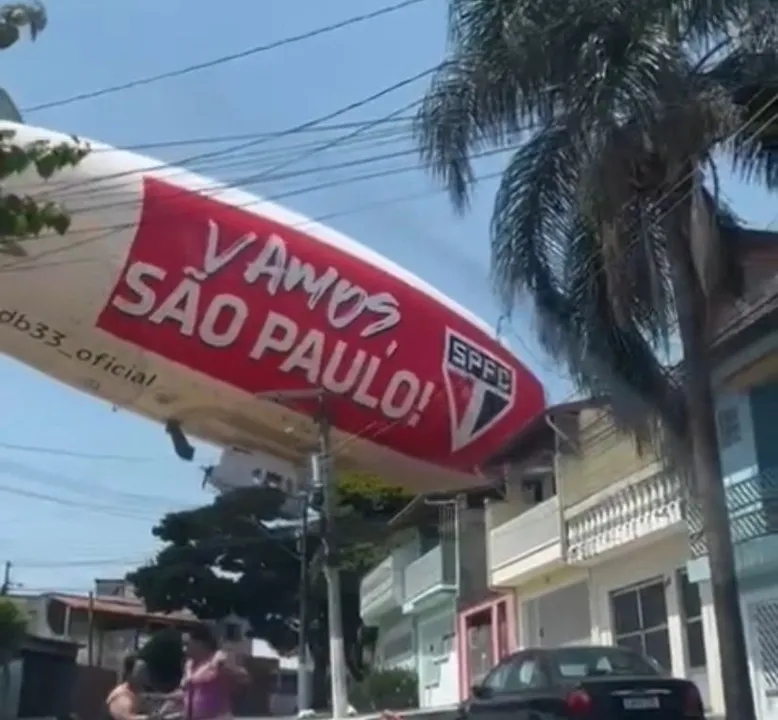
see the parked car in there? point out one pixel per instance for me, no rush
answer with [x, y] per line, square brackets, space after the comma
[606, 683]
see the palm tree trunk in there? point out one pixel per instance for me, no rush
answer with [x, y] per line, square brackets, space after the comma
[707, 475]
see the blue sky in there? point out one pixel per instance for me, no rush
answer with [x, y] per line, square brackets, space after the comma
[68, 519]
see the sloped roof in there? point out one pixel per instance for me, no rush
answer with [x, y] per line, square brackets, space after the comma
[124, 608]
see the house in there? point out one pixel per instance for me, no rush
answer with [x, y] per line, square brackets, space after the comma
[746, 381]
[592, 539]
[413, 595]
[111, 622]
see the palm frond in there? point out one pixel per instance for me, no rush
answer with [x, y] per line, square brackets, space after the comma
[16, 16]
[535, 203]
[749, 75]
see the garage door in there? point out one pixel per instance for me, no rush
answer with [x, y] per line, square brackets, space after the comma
[558, 618]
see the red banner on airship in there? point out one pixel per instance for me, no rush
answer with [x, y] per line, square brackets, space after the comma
[266, 307]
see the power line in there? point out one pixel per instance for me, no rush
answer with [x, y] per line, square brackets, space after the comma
[77, 505]
[257, 49]
[251, 159]
[101, 562]
[343, 110]
[84, 455]
[92, 490]
[214, 139]
[220, 187]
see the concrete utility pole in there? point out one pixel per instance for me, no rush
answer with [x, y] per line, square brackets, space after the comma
[321, 466]
[322, 476]
[303, 696]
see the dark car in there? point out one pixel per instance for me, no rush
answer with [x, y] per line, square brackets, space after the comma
[606, 683]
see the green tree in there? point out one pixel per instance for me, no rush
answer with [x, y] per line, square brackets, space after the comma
[13, 629]
[239, 555]
[613, 112]
[22, 216]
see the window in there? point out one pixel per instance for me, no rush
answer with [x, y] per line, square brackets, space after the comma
[728, 423]
[640, 620]
[580, 662]
[691, 608]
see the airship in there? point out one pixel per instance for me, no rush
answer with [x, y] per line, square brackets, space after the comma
[231, 319]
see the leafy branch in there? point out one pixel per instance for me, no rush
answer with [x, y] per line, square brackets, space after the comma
[22, 216]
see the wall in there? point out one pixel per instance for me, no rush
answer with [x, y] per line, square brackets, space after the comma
[764, 410]
[517, 499]
[438, 664]
[540, 586]
[396, 644]
[472, 541]
[605, 457]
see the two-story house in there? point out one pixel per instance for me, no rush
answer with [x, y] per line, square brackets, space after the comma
[592, 540]
[413, 596]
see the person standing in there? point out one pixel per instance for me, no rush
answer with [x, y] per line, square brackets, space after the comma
[210, 675]
[124, 701]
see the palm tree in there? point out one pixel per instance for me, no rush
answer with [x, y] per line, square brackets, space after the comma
[16, 16]
[13, 629]
[618, 110]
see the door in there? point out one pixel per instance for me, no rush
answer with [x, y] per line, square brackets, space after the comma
[438, 666]
[559, 618]
[761, 619]
[518, 688]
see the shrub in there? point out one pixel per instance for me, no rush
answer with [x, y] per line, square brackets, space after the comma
[13, 626]
[385, 689]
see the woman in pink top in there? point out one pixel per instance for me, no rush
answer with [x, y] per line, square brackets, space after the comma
[209, 677]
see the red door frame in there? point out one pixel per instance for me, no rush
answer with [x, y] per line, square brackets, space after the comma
[509, 602]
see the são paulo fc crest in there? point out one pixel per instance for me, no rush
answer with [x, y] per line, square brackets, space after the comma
[481, 389]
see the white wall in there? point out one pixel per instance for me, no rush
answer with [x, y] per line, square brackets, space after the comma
[438, 661]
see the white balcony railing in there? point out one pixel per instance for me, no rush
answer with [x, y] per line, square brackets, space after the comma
[525, 534]
[433, 569]
[631, 514]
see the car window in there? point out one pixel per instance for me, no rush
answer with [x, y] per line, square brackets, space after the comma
[575, 663]
[516, 675]
[495, 679]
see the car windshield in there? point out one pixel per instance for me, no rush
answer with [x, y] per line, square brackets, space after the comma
[575, 663]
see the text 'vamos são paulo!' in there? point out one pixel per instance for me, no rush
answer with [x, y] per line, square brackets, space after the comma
[222, 321]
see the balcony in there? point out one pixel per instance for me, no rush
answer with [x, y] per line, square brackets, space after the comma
[619, 518]
[753, 520]
[380, 590]
[430, 578]
[527, 543]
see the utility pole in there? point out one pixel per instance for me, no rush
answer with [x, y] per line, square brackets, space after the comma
[321, 476]
[6, 586]
[321, 466]
[90, 648]
[303, 696]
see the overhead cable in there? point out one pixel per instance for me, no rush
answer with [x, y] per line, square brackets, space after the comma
[197, 67]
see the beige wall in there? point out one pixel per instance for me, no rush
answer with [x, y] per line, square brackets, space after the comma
[605, 456]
